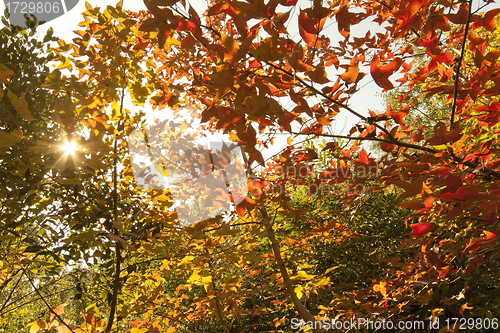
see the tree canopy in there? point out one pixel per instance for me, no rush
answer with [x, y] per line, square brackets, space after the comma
[329, 227]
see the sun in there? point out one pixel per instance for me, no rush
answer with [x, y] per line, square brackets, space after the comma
[70, 147]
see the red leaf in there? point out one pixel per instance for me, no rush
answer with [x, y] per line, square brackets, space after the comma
[344, 20]
[488, 21]
[420, 228]
[474, 246]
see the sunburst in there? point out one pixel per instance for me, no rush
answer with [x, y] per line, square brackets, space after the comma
[70, 147]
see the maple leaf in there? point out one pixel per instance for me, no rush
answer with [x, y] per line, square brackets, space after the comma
[345, 19]
[488, 21]
[318, 75]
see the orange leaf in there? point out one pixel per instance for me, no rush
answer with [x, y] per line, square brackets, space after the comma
[488, 21]
[312, 26]
[309, 38]
[363, 157]
[345, 19]
[465, 307]
[351, 76]
[381, 288]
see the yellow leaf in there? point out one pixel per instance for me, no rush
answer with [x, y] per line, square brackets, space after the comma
[324, 121]
[301, 275]
[171, 330]
[171, 41]
[289, 140]
[5, 73]
[62, 329]
[37, 325]
[65, 65]
[194, 277]
[323, 282]
[198, 279]
[298, 290]
[381, 288]
[436, 311]
[88, 6]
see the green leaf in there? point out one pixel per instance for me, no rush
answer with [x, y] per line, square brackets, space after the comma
[5, 73]
[9, 139]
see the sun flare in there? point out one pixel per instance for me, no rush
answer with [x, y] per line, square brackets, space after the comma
[70, 147]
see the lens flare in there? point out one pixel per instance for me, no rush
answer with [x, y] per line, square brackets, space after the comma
[70, 147]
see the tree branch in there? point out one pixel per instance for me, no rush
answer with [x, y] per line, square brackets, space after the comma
[459, 65]
[13, 289]
[47, 304]
[301, 309]
[116, 282]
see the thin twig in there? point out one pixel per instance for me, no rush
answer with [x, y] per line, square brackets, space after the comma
[47, 304]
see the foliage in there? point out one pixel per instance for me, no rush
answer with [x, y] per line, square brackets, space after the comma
[325, 231]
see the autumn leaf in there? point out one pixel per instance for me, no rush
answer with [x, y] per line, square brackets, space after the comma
[381, 288]
[345, 19]
[420, 228]
[318, 75]
[488, 21]
[37, 325]
[363, 157]
[352, 75]
[381, 73]
[464, 307]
